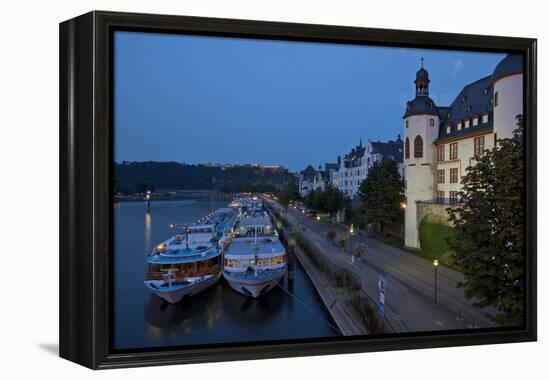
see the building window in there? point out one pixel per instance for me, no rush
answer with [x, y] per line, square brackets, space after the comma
[406, 124]
[466, 123]
[441, 153]
[441, 196]
[453, 175]
[441, 176]
[496, 99]
[479, 146]
[469, 108]
[459, 126]
[453, 151]
[486, 90]
[448, 129]
[407, 149]
[485, 119]
[474, 121]
[418, 147]
[432, 122]
[453, 196]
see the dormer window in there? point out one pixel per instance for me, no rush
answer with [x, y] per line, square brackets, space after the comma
[459, 126]
[475, 121]
[466, 123]
[448, 115]
[464, 99]
[429, 104]
[486, 90]
[469, 108]
[448, 129]
[485, 119]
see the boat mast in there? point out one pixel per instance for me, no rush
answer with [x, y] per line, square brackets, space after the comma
[187, 237]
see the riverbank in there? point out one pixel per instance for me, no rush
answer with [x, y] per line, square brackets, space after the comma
[354, 311]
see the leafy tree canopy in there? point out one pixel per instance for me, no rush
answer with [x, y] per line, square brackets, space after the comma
[288, 194]
[488, 243]
[329, 200]
[130, 177]
[382, 193]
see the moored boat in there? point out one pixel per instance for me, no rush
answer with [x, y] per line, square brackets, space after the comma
[255, 260]
[190, 262]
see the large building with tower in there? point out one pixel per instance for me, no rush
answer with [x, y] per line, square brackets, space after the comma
[440, 142]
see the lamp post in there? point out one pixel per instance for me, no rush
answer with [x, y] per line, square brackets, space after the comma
[148, 199]
[351, 243]
[436, 264]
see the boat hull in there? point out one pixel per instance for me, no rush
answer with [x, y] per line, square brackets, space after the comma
[176, 295]
[254, 287]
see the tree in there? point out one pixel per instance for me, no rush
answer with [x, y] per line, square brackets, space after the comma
[488, 243]
[332, 200]
[289, 194]
[382, 193]
[329, 200]
[313, 199]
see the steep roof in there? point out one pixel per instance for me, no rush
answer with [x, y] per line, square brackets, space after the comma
[421, 105]
[331, 166]
[510, 65]
[475, 99]
[391, 150]
[308, 172]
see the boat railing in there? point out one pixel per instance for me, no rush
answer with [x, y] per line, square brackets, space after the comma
[179, 275]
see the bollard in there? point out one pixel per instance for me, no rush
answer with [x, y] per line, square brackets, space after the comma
[290, 262]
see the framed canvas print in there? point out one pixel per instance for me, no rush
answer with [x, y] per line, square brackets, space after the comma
[238, 189]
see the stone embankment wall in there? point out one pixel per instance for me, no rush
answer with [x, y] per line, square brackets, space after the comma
[355, 299]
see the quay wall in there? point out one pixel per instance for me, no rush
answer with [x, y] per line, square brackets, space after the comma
[354, 302]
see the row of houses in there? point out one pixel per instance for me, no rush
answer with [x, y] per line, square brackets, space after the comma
[350, 170]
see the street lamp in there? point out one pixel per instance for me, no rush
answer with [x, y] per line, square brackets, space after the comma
[351, 243]
[318, 217]
[403, 205]
[436, 264]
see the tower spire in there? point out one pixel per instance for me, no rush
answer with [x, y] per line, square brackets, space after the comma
[422, 81]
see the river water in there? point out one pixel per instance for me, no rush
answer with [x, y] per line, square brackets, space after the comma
[216, 316]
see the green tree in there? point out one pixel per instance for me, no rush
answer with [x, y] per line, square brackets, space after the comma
[331, 200]
[313, 199]
[288, 194]
[488, 243]
[382, 194]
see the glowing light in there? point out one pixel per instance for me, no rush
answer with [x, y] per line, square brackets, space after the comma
[318, 218]
[403, 205]
[351, 229]
[436, 263]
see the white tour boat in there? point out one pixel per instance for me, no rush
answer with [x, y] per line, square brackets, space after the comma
[189, 263]
[255, 260]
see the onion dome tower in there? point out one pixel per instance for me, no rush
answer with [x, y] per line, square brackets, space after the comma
[420, 130]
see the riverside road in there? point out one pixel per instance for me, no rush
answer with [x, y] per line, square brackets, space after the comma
[409, 282]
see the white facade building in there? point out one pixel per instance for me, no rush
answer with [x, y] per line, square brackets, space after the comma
[441, 142]
[354, 167]
[311, 179]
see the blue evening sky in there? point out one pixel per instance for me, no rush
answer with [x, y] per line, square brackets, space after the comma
[200, 99]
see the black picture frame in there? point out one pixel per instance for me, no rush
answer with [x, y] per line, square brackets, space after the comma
[86, 184]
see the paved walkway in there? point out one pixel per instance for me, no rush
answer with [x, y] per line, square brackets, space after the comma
[409, 282]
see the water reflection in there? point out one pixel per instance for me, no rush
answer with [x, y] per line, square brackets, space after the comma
[216, 315]
[148, 245]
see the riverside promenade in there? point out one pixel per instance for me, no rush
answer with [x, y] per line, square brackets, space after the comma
[409, 282]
